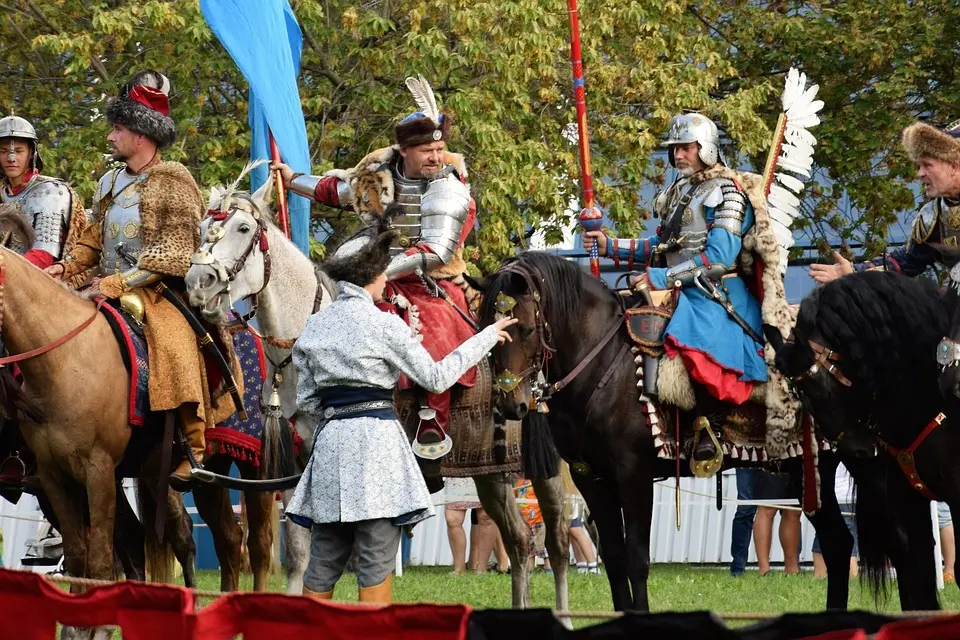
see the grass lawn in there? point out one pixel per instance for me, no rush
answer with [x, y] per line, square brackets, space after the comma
[671, 587]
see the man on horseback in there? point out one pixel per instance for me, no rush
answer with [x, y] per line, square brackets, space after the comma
[145, 228]
[48, 205]
[716, 325]
[936, 228]
[426, 273]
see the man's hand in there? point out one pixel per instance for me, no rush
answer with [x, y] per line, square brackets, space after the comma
[286, 173]
[595, 237]
[55, 270]
[824, 273]
[640, 282]
[92, 290]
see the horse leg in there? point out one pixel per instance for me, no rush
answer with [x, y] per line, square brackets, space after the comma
[496, 496]
[179, 533]
[920, 551]
[550, 498]
[102, 503]
[601, 498]
[68, 503]
[297, 550]
[128, 540]
[635, 488]
[836, 543]
[213, 505]
[260, 513]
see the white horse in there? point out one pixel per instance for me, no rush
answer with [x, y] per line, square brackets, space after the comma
[282, 285]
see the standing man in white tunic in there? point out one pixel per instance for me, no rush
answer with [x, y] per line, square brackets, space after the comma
[362, 482]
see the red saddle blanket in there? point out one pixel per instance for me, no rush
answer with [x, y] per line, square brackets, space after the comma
[440, 326]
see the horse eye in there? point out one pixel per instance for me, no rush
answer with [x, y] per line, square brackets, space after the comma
[526, 332]
[244, 228]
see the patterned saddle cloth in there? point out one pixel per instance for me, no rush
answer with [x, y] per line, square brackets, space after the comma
[240, 439]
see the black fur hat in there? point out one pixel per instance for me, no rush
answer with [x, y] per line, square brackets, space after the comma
[142, 107]
[361, 259]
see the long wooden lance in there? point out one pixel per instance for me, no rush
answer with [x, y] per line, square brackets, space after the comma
[590, 217]
[283, 214]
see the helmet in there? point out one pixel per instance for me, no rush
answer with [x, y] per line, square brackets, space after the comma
[694, 127]
[17, 127]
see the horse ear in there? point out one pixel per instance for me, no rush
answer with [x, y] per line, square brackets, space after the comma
[263, 197]
[216, 194]
[773, 336]
[477, 285]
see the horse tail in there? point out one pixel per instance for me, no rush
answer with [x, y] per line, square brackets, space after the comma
[15, 402]
[537, 450]
[278, 458]
[875, 529]
[159, 555]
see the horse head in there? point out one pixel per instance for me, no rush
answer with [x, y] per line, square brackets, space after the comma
[233, 262]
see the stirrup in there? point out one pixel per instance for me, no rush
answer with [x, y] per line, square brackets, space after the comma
[433, 450]
[708, 467]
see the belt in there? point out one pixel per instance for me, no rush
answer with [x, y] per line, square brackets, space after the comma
[372, 408]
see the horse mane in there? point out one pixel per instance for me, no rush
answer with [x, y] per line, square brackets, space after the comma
[561, 287]
[886, 327]
[12, 221]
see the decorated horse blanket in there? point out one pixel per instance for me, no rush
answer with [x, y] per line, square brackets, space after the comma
[240, 439]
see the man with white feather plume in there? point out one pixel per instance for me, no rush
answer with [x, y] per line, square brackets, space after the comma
[426, 284]
[721, 251]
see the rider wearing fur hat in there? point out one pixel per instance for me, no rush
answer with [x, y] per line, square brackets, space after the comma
[48, 205]
[434, 217]
[148, 211]
[936, 228]
[362, 482]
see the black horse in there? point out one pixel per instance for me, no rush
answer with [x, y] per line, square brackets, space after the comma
[863, 355]
[568, 331]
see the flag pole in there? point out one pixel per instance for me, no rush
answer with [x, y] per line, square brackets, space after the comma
[590, 217]
[283, 215]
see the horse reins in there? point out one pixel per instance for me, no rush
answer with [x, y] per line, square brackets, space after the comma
[826, 358]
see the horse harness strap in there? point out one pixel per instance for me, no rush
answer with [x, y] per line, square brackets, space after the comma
[827, 358]
[906, 461]
[612, 331]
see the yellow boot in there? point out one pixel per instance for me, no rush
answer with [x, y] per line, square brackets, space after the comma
[318, 595]
[379, 594]
[193, 430]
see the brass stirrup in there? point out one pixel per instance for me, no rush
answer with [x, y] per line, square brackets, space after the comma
[705, 468]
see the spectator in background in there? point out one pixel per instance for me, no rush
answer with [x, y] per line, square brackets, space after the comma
[530, 510]
[843, 489]
[947, 545]
[742, 523]
[583, 550]
[461, 494]
[775, 487]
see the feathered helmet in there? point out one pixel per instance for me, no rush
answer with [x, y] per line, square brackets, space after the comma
[426, 125]
[143, 106]
[361, 259]
[920, 140]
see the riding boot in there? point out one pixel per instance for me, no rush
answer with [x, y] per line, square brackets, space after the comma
[318, 595]
[379, 594]
[193, 431]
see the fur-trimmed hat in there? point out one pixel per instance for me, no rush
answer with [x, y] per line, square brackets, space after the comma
[361, 259]
[426, 125]
[143, 106]
[920, 140]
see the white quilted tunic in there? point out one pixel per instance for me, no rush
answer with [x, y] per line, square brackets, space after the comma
[363, 468]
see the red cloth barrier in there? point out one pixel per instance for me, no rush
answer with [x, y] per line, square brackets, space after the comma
[31, 606]
[930, 629]
[273, 616]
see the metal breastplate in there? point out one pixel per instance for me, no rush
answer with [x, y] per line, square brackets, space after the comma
[44, 205]
[949, 217]
[693, 223]
[407, 193]
[121, 224]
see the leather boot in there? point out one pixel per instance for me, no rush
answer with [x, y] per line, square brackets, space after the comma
[193, 431]
[379, 594]
[318, 595]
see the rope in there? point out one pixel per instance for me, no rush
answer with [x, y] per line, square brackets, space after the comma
[757, 503]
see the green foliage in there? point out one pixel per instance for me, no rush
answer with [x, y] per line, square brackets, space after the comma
[502, 68]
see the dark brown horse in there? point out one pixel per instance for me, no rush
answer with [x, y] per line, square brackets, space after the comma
[597, 420]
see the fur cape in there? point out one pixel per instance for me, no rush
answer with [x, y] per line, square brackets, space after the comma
[371, 183]
[759, 244]
[920, 140]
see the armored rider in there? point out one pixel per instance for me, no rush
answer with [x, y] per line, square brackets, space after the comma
[48, 205]
[149, 211]
[705, 213]
[936, 228]
[426, 273]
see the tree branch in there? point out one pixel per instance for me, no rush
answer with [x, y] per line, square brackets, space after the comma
[41, 16]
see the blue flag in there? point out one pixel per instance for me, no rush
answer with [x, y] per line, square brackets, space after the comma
[264, 40]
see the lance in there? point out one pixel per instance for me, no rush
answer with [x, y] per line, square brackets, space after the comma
[590, 217]
[283, 216]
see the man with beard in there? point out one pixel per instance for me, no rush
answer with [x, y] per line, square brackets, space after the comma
[150, 210]
[48, 205]
[936, 228]
[426, 283]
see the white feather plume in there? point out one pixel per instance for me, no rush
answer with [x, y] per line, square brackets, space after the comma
[423, 94]
[223, 202]
[784, 181]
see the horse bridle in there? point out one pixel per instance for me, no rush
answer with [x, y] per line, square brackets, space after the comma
[823, 357]
[215, 233]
